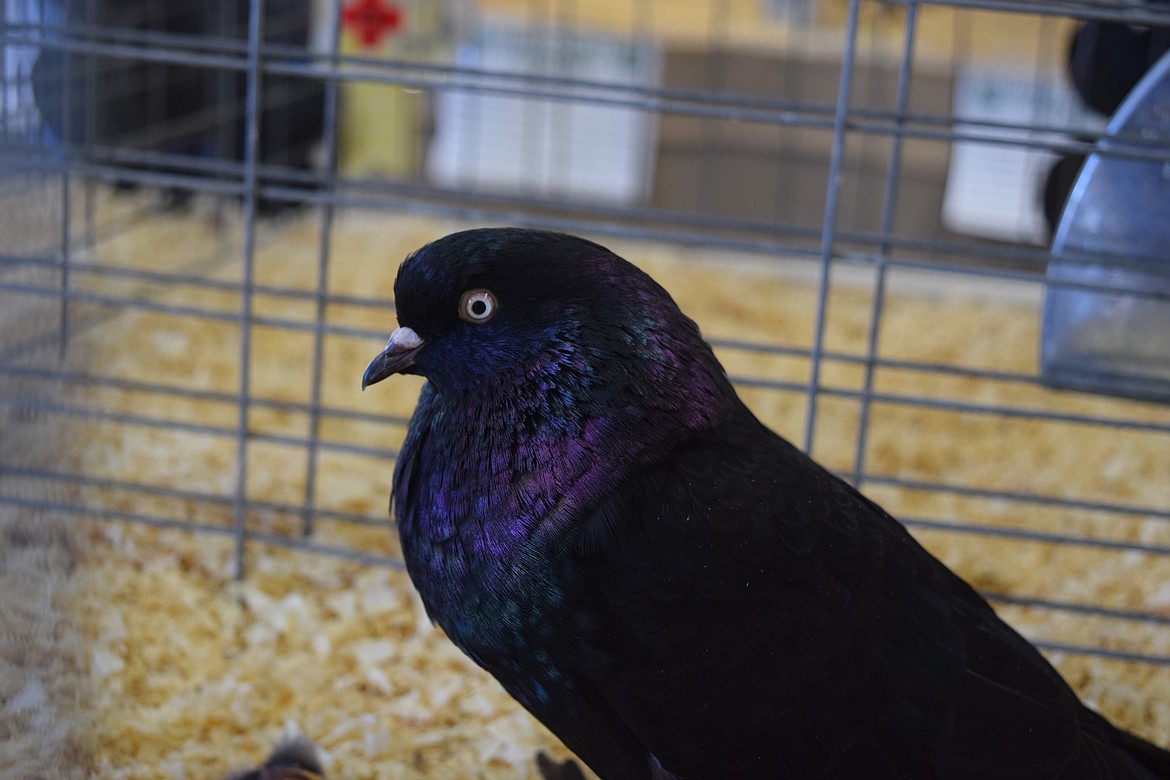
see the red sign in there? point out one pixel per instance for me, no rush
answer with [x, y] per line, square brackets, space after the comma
[370, 20]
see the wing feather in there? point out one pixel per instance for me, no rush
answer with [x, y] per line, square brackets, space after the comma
[746, 614]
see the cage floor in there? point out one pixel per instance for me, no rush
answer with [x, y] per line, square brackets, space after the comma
[193, 674]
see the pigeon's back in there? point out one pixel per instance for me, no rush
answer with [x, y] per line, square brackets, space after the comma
[755, 617]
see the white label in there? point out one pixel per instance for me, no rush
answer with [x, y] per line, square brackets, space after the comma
[541, 146]
[994, 190]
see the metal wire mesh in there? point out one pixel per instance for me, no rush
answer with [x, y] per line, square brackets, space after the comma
[821, 163]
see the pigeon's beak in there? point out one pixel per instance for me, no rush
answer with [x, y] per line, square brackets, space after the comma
[398, 356]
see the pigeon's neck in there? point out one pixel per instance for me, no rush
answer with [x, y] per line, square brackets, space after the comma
[508, 470]
[492, 486]
[487, 496]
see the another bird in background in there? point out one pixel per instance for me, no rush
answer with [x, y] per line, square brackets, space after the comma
[1106, 60]
[293, 758]
[551, 769]
[592, 514]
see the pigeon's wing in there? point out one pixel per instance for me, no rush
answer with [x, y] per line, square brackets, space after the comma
[747, 614]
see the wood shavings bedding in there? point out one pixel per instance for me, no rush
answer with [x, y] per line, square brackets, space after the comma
[196, 674]
[210, 671]
[44, 689]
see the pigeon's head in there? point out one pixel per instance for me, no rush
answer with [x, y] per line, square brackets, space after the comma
[503, 309]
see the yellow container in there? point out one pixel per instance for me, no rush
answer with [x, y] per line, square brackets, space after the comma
[380, 131]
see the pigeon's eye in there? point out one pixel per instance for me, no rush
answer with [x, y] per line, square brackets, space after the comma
[477, 306]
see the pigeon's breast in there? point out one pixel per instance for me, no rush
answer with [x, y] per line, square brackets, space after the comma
[487, 513]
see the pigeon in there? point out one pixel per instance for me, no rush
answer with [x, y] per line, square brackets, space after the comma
[590, 512]
[293, 758]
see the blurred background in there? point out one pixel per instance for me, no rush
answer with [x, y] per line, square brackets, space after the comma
[927, 239]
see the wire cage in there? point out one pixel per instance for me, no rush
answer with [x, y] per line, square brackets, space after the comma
[204, 206]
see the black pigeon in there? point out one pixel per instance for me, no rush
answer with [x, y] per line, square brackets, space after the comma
[1106, 59]
[591, 513]
[554, 770]
[293, 758]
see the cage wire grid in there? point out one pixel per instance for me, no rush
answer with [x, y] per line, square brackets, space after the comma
[67, 241]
